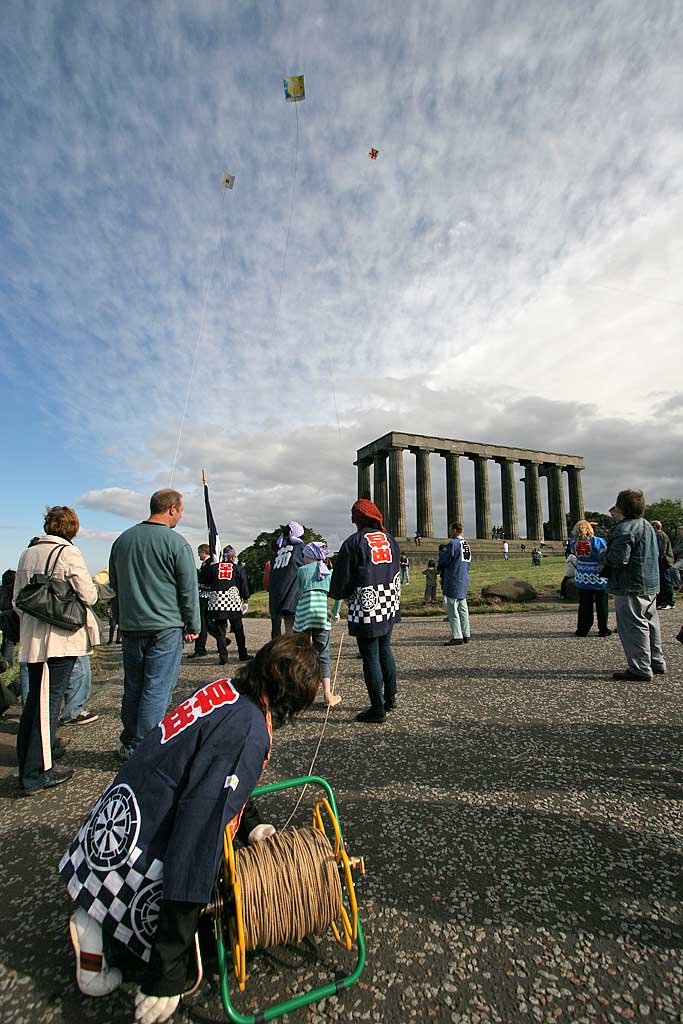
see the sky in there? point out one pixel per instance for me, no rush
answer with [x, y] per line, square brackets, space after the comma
[509, 270]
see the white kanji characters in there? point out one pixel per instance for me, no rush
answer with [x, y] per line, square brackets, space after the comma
[203, 702]
[380, 548]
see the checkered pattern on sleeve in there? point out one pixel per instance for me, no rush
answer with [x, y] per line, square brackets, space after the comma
[373, 604]
[225, 600]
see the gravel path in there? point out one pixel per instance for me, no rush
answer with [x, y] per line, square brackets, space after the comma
[520, 816]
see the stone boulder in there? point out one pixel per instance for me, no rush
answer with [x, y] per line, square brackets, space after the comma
[510, 590]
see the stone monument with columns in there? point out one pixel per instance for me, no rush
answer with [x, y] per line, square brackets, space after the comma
[391, 499]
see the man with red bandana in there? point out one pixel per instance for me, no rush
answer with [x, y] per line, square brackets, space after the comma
[367, 574]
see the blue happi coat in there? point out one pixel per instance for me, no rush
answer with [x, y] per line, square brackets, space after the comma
[157, 831]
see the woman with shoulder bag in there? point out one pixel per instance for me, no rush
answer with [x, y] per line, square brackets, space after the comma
[50, 650]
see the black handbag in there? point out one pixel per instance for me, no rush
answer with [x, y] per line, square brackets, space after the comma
[50, 600]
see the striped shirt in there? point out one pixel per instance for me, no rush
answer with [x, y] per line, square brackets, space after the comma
[311, 611]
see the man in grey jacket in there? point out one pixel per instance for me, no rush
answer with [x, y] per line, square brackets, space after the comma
[633, 559]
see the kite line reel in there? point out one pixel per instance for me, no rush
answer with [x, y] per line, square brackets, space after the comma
[297, 883]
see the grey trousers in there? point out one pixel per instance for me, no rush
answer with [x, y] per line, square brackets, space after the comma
[638, 628]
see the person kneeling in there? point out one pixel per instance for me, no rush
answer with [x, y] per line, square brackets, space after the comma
[142, 867]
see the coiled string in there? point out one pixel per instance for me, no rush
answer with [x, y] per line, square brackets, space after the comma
[290, 888]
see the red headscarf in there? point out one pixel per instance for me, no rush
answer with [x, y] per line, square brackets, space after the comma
[366, 513]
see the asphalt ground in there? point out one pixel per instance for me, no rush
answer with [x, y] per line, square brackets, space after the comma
[519, 813]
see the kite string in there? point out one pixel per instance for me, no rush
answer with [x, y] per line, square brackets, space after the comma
[322, 733]
[291, 214]
[208, 282]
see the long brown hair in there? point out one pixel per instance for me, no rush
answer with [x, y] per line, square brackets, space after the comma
[287, 671]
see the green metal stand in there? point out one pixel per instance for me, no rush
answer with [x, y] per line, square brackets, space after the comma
[225, 960]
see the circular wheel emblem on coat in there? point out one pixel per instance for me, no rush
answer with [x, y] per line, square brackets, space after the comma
[113, 829]
[368, 598]
[144, 911]
[397, 583]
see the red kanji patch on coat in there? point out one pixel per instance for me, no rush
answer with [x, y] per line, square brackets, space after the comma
[380, 548]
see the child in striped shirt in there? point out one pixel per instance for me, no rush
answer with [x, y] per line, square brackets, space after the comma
[311, 611]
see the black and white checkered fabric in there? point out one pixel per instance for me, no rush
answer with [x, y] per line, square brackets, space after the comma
[105, 873]
[225, 600]
[378, 603]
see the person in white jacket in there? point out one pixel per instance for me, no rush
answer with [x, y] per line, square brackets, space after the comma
[50, 651]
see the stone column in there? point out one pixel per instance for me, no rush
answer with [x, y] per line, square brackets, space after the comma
[576, 506]
[424, 493]
[532, 501]
[364, 479]
[453, 489]
[380, 488]
[508, 498]
[397, 494]
[556, 506]
[482, 497]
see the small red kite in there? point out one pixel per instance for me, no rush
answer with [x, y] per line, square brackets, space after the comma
[373, 154]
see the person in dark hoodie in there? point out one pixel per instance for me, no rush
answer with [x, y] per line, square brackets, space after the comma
[7, 647]
[142, 866]
[632, 560]
[367, 574]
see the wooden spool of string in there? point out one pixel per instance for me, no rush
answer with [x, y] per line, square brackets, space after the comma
[290, 888]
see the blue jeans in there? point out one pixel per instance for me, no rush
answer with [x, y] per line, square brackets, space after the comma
[78, 690]
[321, 642]
[23, 681]
[151, 663]
[379, 668]
[29, 742]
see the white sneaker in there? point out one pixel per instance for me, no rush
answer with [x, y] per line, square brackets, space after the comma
[93, 977]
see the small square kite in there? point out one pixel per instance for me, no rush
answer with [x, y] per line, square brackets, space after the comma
[294, 88]
[373, 154]
[227, 180]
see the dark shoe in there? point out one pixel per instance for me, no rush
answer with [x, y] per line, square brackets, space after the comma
[371, 715]
[85, 718]
[466, 639]
[389, 705]
[57, 777]
[222, 659]
[658, 670]
[605, 632]
[197, 654]
[245, 657]
[454, 643]
[628, 675]
[679, 636]
[580, 634]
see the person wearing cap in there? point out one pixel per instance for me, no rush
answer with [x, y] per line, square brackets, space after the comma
[367, 573]
[311, 615]
[228, 589]
[283, 589]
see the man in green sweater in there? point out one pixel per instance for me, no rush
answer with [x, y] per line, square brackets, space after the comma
[152, 570]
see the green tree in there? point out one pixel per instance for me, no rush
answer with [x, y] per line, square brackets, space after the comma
[669, 511]
[602, 523]
[258, 553]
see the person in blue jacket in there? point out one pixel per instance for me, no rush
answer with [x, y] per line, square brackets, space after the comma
[367, 573]
[591, 586]
[143, 864]
[454, 566]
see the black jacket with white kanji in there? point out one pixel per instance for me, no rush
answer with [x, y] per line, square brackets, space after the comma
[153, 841]
[283, 588]
[228, 588]
[367, 573]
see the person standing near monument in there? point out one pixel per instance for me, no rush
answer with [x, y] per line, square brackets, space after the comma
[665, 597]
[454, 564]
[590, 585]
[367, 573]
[632, 557]
[283, 584]
[228, 589]
[152, 570]
[506, 550]
[204, 553]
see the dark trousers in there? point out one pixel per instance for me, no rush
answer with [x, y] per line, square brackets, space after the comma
[217, 628]
[586, 600]
[29, 742]
[666, 587]
[379, 668]
[200, 642]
